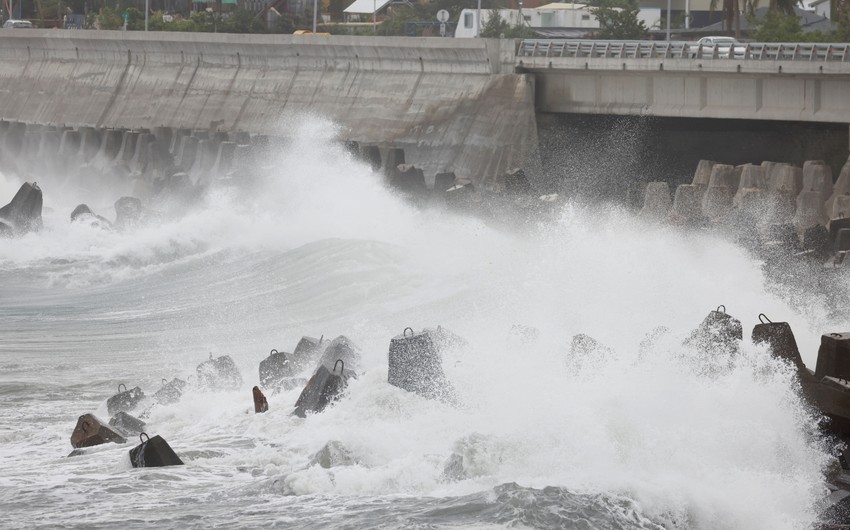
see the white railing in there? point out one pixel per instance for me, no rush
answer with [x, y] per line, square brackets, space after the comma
[755, 51]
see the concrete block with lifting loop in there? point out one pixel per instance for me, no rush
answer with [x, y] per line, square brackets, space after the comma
[306, 352]
[153, 452]
[718, 330]
[261, 404]
[171, 392]
[780, 339]
[274, 368]
[219, 373]
[834, 356]
[124, 400]
[322, 389]
[91, 431]
[416, 365]
[127, 424]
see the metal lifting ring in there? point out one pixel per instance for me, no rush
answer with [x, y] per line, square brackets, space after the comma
[412, 333]
[273, 352]
[835, 334]
[119, 387]
[86, 426]
[211, 357]
[164, 381]
[339, 361]
[763, 317]
[724, 308]
[145, 435]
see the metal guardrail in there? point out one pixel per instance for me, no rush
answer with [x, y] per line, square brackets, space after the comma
[757, 51]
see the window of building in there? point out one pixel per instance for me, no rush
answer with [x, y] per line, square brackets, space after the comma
[467, 20]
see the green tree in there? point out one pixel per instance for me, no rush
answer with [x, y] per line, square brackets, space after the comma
[241, 21]
[618, 19]
[108, 18]
[494, 26]
[778, 27]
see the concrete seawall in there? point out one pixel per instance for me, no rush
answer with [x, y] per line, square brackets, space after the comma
[453, 105]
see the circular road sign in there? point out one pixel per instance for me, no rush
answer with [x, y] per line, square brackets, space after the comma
[442, 16]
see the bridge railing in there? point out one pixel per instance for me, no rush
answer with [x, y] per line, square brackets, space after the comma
[756, 51]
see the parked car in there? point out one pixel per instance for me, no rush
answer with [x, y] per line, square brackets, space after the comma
[17, 24]
[706, 46]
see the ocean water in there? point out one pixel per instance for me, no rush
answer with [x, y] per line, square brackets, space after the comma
[651, 435]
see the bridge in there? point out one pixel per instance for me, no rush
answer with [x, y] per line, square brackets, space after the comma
[757, 81]
[463, 105]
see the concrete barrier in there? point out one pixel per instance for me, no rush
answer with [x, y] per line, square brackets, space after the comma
[448, 103]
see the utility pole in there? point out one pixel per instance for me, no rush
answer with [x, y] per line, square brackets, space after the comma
[668, 20]
[478, 21]
[315, 15]
[147, 10]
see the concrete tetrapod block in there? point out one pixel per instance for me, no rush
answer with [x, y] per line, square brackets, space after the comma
[810, 210]
[416, 365]
[69, 147]
[223, 160]
[13, 138]
[702, 175]
[817, 176]
[718, 331]
[164, 135]
[840, 207]
[48, 148]
[717, 202]
[128, 212]
[125, 400]
[171, 391]
[780, 206]
[408, 178]
[274, 368]
[140, 153]
[786, 178]
[687, 205]
[322, 389]
[780, 339]
[129, 425]
[241, 138]
[724, 175]
[128, 147]
[371, 154]
[394, 158]
[153, 452]
[90, 139]
[91, 431]
[187, 153]
[110, 145]
[656, 202]
[219, 373]
[842, 241]
[834, 356]
[752, 178]
[842, 187]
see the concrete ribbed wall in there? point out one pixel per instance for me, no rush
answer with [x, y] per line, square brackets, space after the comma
[448, 102]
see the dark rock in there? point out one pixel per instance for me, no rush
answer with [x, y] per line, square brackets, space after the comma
[127, 424]
[333, 454]
[834, 356]
[128, 212]
[261, 404]
[83, 214]
[341, 348]
[91, 431]
[719, 331]
[416, 365]
[220, 373]
[274, 368]
[23, 214]
[125, 400]
[153, 452]
[325, 387]
[171, 391]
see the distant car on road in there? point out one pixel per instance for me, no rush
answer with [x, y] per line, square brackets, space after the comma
[723, 45]
[17, 24]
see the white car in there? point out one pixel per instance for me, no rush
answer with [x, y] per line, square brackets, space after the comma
[17, 24]
[706, 47]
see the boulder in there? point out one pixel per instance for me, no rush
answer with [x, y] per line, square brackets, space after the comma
[83, 214]
[124, 400]
[333, 454]
[153, 452]
[416, 365]
[219, 373]
[23, 213]
[261, 404]
[91, 431]
[128, 212]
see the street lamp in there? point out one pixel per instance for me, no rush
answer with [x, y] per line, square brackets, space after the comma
[147, 10]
